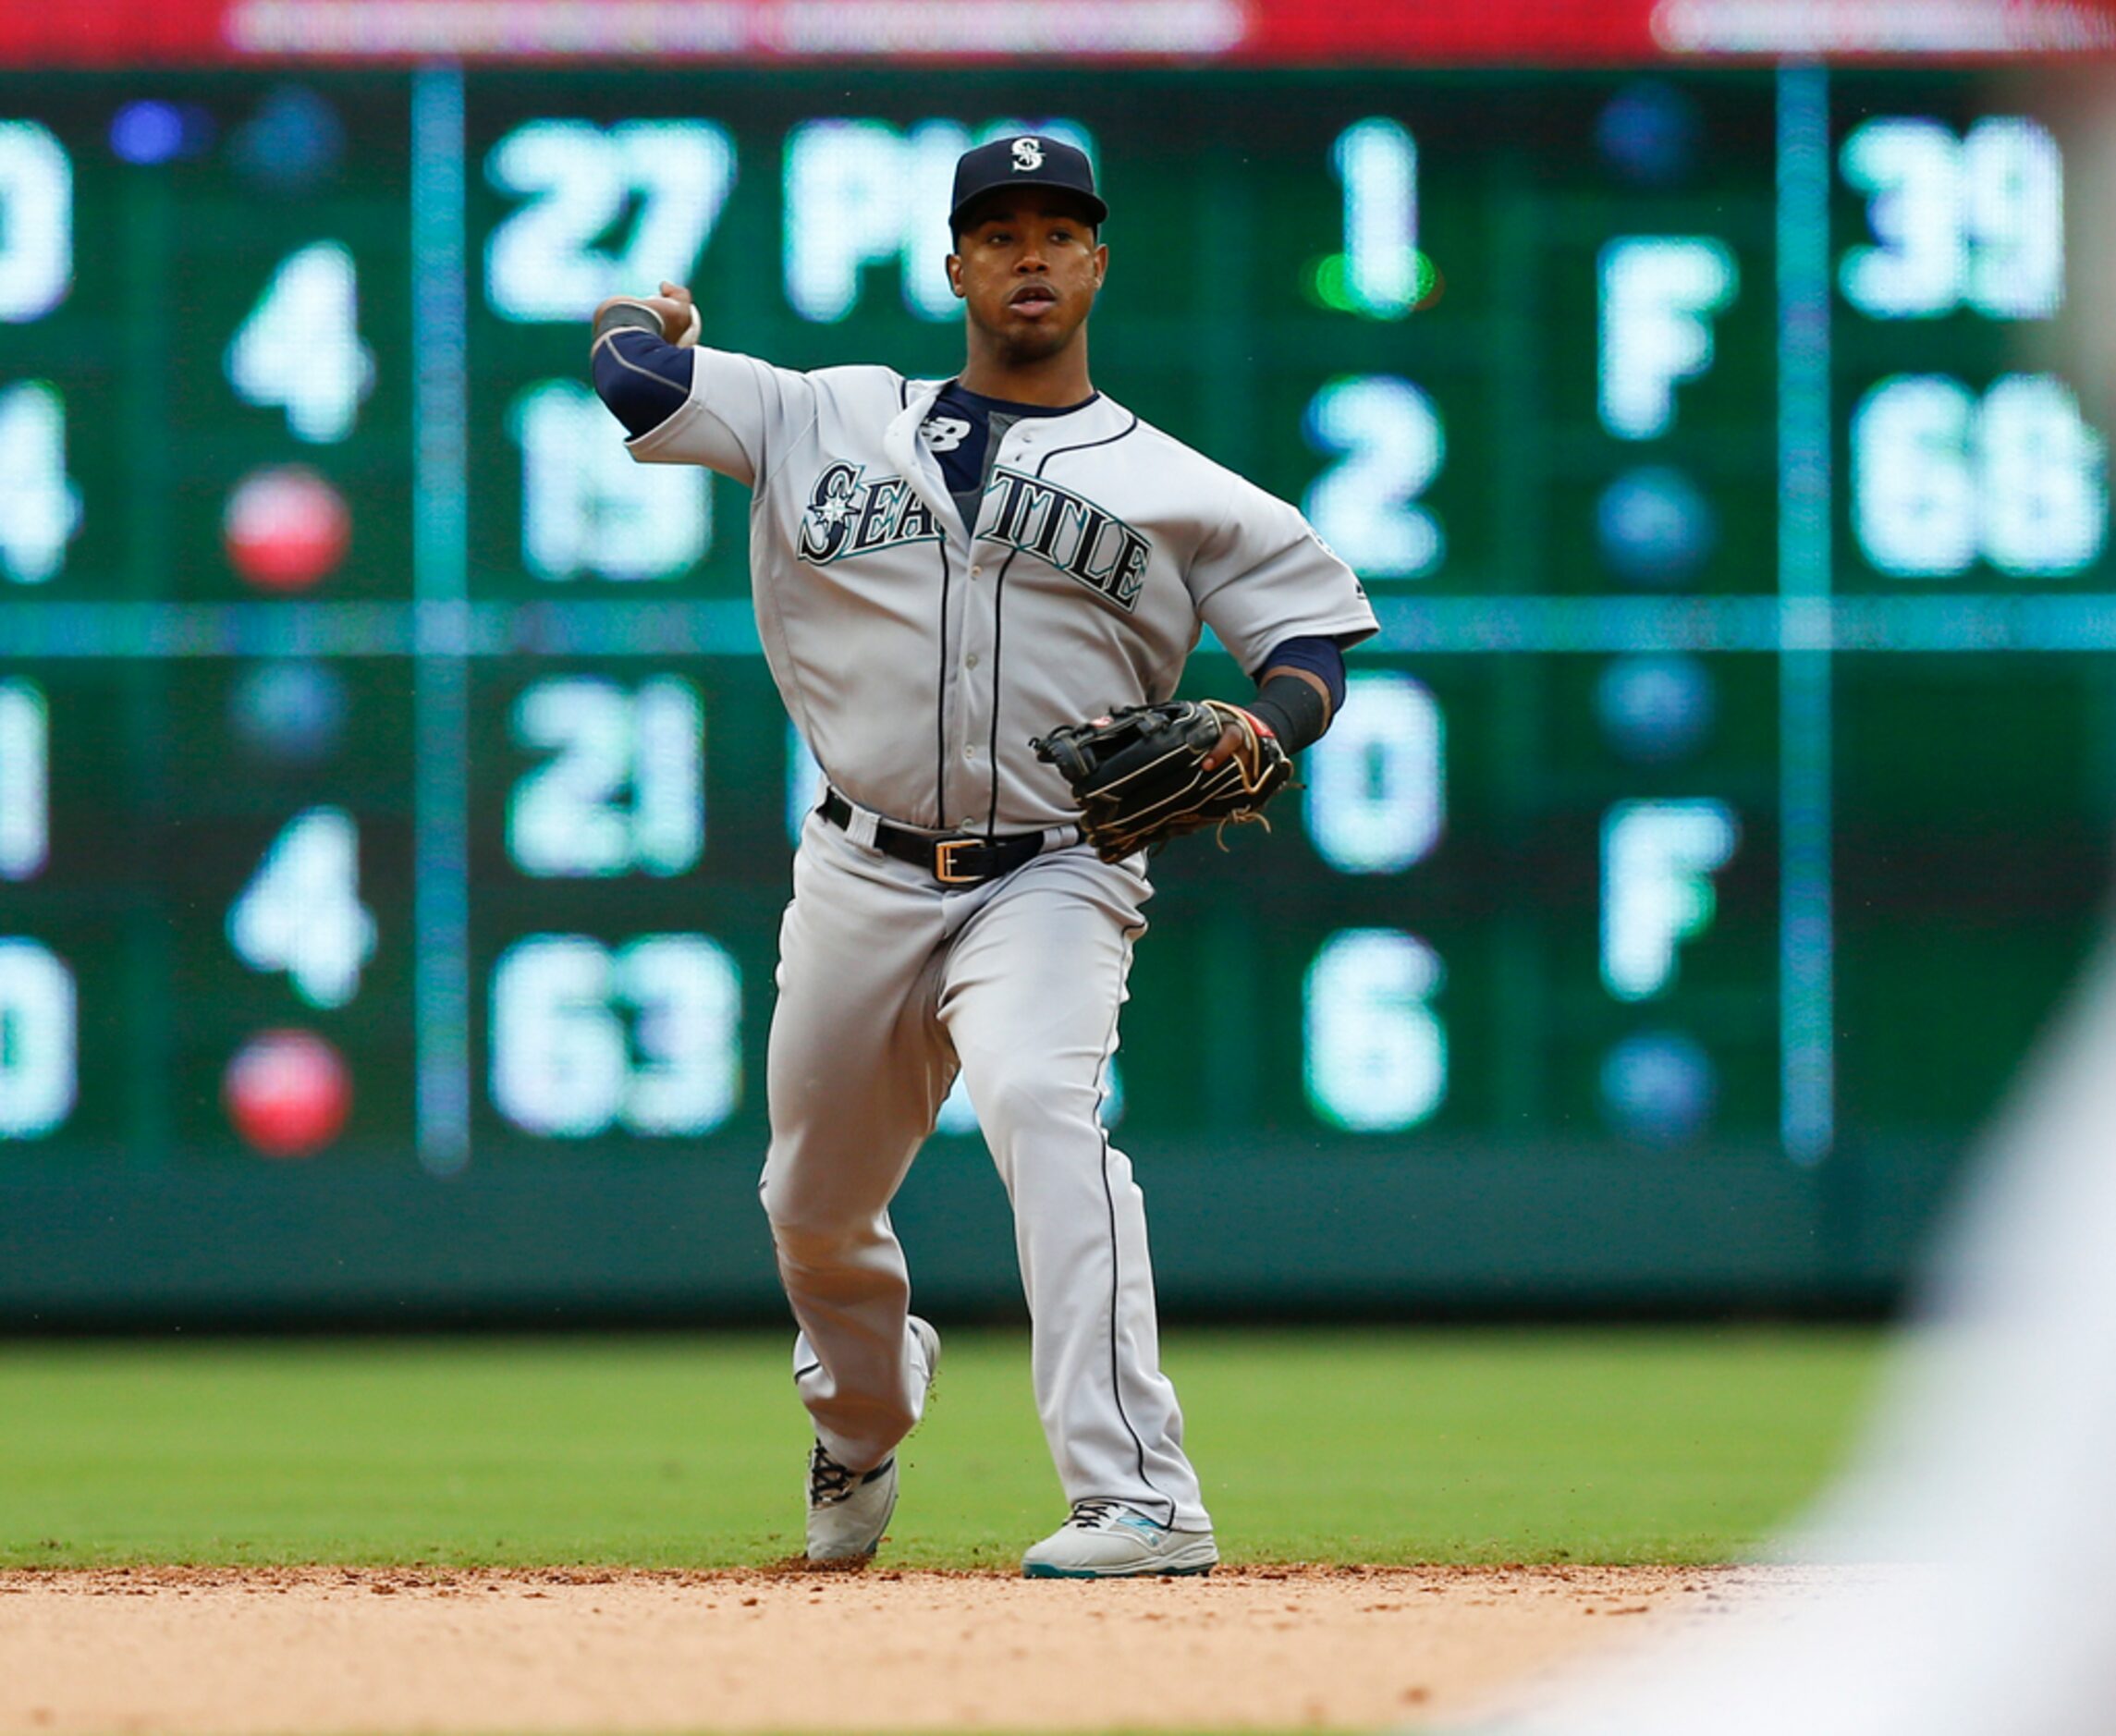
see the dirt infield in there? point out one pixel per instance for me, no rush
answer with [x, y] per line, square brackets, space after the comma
[236, 1652]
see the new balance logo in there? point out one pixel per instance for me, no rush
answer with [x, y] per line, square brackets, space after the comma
[944, 433]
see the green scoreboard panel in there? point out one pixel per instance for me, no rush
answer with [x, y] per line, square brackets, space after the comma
[391, 786]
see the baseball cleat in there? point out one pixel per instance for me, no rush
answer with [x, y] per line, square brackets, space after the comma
[848, 1510]
[1109, 1540]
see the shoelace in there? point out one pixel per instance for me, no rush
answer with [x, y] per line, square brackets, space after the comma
[1094, 1515]
[828, 1482]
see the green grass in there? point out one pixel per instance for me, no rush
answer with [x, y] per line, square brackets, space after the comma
[1373, 1445]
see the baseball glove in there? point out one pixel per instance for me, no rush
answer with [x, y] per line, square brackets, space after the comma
[1139, 773]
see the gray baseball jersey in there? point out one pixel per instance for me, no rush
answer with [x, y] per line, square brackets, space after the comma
[918, 659]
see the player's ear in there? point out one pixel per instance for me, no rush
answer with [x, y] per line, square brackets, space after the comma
[955, 274]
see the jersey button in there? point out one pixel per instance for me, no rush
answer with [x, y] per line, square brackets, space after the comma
[969, 752]
[971, 661]
[977, 572]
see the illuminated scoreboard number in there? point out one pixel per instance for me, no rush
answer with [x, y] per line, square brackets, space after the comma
[25, 779]
[38, 1039]
[589, 509]
[1377, 1053]
[645, 1035]
[623, 789]
[1375, 1047]
[36, 242]
[39, 1010]
[299, 919]
[300, 913]
[40, 505]
[299, 349]
[1387, 445]
[640, 1033]
[1380, 274]
[39, 1001]
[1948, 475]
[1970, 220]
[1381, 436]
[575, 181]
[1944, 476]
[589, 211]
[1375, 802]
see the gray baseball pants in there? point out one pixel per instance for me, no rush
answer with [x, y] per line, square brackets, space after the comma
[887, 982]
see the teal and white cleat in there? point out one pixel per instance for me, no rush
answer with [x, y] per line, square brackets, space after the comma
[1109, 1540]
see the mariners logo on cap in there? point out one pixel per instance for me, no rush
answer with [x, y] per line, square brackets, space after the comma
[1027, 159]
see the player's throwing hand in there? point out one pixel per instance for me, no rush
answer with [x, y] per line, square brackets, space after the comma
[674, 307]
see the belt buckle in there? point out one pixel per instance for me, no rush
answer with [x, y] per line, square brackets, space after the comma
[944, 860]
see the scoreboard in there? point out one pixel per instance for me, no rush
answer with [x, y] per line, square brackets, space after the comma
[391, 784]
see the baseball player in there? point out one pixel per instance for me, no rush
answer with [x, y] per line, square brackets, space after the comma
[944, 570]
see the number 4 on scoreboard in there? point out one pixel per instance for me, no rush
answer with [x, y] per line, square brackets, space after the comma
[299, 349]
[301, 913]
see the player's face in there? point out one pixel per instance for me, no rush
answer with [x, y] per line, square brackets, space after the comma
[1027, 269]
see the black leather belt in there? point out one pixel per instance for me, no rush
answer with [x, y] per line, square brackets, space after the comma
[954, 861]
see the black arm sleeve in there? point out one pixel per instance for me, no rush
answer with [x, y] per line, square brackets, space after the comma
[1296, 713]
[643, 380]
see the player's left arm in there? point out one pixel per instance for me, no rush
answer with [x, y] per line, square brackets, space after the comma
[1298, 693]
[1283, 603]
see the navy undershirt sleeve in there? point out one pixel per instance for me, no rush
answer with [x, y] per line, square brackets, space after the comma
[1288, 703]
[643, 380]
[1320, 657]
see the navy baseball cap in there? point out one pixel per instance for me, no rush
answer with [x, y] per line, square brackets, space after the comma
[1026, 160]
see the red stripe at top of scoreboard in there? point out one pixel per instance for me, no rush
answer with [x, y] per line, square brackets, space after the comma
[1274, 32]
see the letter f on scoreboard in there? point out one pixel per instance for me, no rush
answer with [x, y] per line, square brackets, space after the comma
[1658, 294]
[1658, 860]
